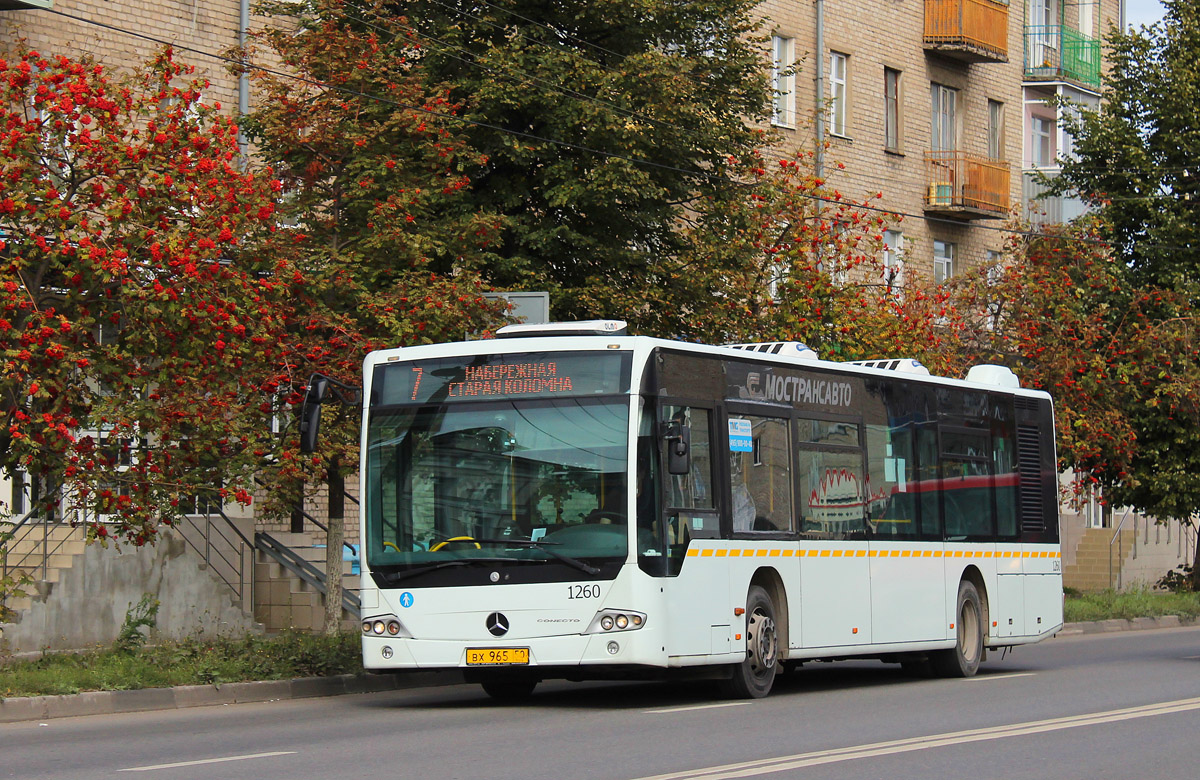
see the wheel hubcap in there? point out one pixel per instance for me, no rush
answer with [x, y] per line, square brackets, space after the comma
[762, 643]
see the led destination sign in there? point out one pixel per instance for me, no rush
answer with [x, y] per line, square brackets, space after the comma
[513, 379]
[537, 375]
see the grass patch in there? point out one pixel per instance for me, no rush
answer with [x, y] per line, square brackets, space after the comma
[190, 662]
[1111, 604]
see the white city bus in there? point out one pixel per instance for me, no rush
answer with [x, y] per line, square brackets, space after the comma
[568, 501]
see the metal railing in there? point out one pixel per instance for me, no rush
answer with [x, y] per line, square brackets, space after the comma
[958, 180]
[30, 543]
[1054, 52]
[979, 24]
[225, 549]
[289, 560]
[1116, 537]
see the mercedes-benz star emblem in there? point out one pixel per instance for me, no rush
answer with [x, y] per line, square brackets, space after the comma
[497, 624]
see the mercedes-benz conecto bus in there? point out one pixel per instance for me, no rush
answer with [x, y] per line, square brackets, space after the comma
[571, 502]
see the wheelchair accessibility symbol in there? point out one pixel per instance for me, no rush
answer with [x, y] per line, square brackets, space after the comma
[406, 599]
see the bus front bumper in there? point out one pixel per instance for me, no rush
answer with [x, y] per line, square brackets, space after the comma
[630, 648]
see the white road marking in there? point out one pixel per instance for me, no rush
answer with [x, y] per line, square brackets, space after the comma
[802, 760]
[209, 761]
[990, 677]
[698, 707]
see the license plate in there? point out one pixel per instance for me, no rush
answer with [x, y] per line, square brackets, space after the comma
[497, 656]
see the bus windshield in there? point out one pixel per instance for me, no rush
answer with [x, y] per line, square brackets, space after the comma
[520, 481]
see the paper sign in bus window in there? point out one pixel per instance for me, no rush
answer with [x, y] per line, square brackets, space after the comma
[741, 437]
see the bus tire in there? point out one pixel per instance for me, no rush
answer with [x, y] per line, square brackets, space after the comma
[963, 659]
[508, 690]
[753, 678]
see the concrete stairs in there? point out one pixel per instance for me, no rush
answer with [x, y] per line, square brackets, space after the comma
[284, 601]
[56, 546]
[1091, 570]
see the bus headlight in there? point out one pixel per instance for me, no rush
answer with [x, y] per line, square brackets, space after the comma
[616, 620]
[384, 625]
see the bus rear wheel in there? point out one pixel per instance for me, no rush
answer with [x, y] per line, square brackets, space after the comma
[753, 678]
[963, 659]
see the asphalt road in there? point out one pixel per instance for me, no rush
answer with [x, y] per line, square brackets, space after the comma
[1094, 706]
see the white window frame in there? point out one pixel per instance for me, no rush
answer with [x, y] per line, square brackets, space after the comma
[943, 261]
[943, 118]
[839, 68]
[1041, 142]
[891, 109]
[783, 82]
[995, 129]
[893, 259]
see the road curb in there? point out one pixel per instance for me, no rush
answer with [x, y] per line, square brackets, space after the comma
[1131, 624]
[20, 709]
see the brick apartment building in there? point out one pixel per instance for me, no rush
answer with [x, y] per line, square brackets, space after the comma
[941, 105]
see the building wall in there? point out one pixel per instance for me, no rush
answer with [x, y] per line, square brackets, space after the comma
[87, 606]
[209, 26]
[879, 34]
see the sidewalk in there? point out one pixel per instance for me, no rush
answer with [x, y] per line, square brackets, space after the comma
[112, 702]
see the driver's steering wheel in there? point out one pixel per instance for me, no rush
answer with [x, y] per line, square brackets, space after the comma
[453, 539]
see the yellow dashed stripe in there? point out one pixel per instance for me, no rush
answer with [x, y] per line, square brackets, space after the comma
[763, 552]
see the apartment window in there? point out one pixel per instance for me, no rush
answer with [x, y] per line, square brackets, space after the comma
[891, 109]
[945, 107]
[995, 138]
[893, 259]
[837, 93]
[1041, 142]
[1087, 18]
[783, 82]
[943, 261]
[1043, 12]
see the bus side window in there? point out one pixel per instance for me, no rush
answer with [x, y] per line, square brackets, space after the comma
[892, 477]
[694, 489]
[760, 474]
[1004, 467]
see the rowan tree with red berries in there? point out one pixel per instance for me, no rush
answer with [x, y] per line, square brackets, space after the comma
[142, 348]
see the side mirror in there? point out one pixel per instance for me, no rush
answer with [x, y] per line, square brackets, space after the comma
[310, 413]
[679, 445]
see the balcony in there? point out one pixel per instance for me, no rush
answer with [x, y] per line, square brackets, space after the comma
[967, 186]
[1042, 209]
[1057, 53]
[24, 5]
[967, 30]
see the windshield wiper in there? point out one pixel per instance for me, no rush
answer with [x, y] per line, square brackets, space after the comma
[586, 568]
[391, 578]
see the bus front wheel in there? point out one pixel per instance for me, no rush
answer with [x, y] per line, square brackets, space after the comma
[963, 659]
[753, 678]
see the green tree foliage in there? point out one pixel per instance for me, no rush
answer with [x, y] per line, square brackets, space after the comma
[372, 202]
[1136, 155]
[1135, 162]
[1121, 360]
[598, 124]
